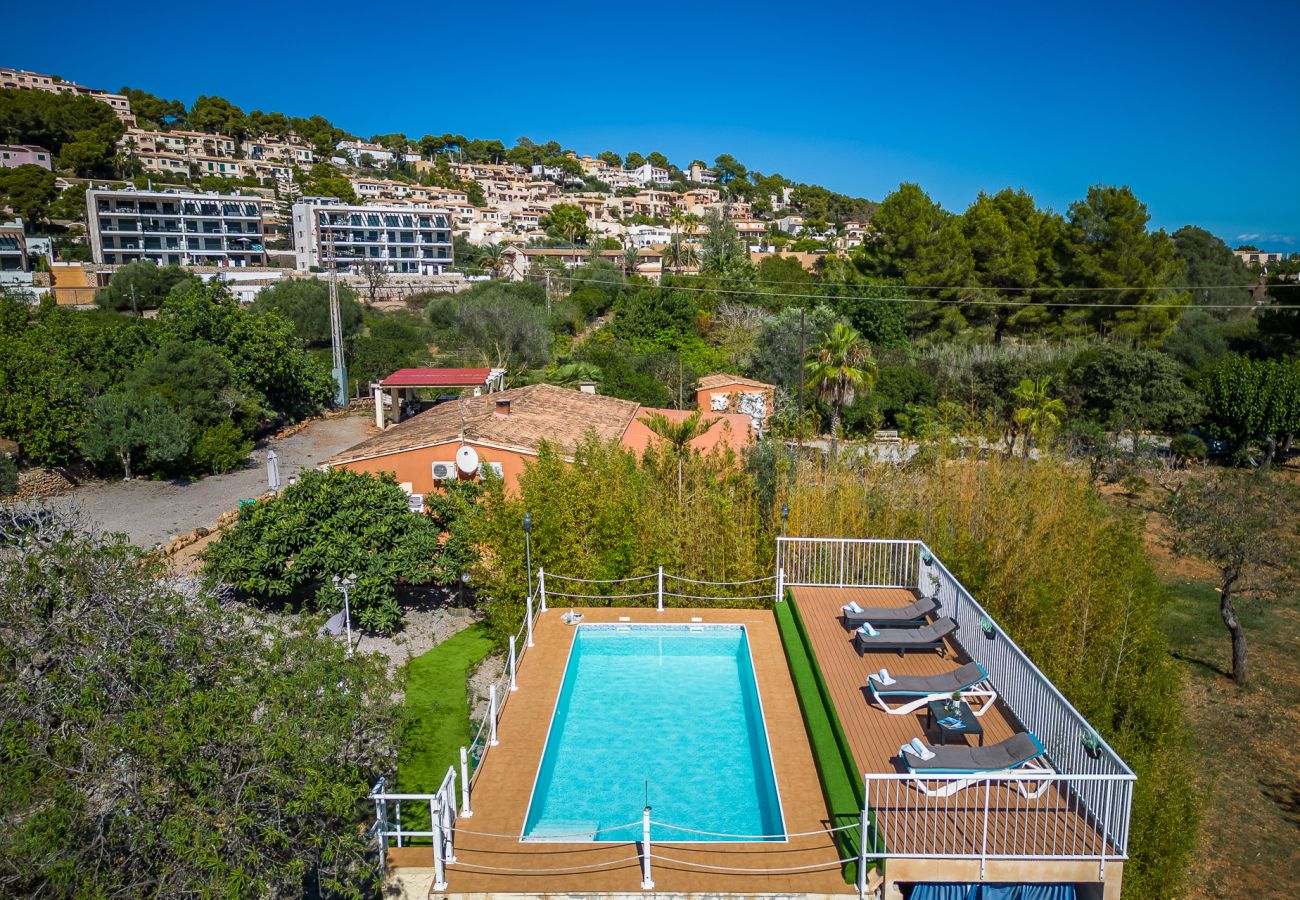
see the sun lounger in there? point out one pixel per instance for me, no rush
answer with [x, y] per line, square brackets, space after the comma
[912, 614]
[927, 637]
[915, 691]
[1019, 753]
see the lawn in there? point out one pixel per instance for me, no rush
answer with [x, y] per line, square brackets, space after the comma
[1248, 740]
[841, 783]
[437, 708]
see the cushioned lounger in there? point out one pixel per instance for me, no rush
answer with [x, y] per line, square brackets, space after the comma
[927, 637]
[911, 614]
[1020, 752]
[915, 691]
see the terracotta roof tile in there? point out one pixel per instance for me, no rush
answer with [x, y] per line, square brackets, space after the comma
[538, 412]
[721, 379]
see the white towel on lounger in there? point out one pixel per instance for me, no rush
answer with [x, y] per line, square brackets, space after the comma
[867, 630]
[917, 747]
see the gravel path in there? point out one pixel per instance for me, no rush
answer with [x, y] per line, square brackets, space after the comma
[153, 512]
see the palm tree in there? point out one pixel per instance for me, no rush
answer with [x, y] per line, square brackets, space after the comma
[631, 259]
[493, 258]
[1037, 412]
[679, 435]
[838, 368]
[679, 255]
[573, 374]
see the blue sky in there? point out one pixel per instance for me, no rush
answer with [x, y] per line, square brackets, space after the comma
[1192, 105]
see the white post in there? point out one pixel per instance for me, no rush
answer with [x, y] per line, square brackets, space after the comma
[465, 810]
[492, 715]
[513, 686]
[447, 806]
[862, 855]
[529, 619]
[541, 586]
[647, 883]
[780, 585]
[661, 589]
[439, 871]
[379, 407]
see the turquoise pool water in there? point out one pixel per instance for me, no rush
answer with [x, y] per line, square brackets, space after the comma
[668, 711]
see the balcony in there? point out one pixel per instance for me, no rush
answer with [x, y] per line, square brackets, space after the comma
[1077, 814]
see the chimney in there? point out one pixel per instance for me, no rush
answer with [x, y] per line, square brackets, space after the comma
[503, 406]
[587, 387]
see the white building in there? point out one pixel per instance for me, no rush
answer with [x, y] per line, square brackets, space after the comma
[642, 236]
[649, 174]
[701, 175]
[53, 84]
[181, 227]
[354, 150]
[410, 239]
[14, 155]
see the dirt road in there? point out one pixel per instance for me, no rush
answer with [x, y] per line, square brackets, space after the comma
[153, 512]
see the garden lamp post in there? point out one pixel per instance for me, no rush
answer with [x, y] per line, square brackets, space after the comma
[344, 586]
[785, 517]
[528, 549]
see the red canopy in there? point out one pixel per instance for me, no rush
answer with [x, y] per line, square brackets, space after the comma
[413, 378]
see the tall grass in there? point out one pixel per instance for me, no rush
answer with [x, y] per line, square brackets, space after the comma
[611, 515]
[1070, 581]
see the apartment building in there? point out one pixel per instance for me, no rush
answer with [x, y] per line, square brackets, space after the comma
[328, 233]
[649, 174]
[14, 155]
[13, 247]
[180, 227]
[290, 151]
[700, 175]
[53, 84]
[644, 236]
[354, 151]
[1260, 257]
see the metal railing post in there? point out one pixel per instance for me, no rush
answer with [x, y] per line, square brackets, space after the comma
[439, 864]
[529, 619]
[513, 686]
[541, 586]
[447, 807]
[492, 715]
[984, 830]
[862, 853]
[780, 585]
[661, 589]
[464, 784]
[647, 883]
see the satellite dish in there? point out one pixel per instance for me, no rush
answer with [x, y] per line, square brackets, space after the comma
[467, 460]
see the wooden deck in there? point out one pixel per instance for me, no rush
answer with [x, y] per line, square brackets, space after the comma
[1015, 825]
[494, 860]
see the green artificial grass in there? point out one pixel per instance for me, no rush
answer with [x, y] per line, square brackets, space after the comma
[841, 782]
[437, 710]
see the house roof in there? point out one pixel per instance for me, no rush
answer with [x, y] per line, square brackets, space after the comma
[437, 378]
[721, 379]
[538, 412]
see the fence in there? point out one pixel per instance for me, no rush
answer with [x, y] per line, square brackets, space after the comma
[1011, 815]
[1094, 778]
[847, 562]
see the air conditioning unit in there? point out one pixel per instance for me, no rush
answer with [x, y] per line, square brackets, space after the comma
[496, 468]
[444, 471]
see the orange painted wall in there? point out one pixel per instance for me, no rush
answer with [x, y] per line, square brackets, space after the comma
[734, 431]
[704, 398]
[416, 466]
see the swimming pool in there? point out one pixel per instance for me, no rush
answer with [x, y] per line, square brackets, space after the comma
[668, 713]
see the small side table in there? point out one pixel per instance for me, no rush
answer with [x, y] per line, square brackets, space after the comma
[936, 713]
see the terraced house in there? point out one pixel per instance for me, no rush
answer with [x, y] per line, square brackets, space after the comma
[175, 227]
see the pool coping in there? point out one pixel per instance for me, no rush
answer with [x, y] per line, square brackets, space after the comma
[659, 626]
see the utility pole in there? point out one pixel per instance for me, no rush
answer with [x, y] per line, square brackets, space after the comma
[548, 292]
[336, 326]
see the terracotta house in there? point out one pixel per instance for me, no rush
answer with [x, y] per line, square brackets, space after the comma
[506, 429]
[721, 393]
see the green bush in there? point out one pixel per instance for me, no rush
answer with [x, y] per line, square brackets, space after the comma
[8, 476]
[1188, 448]
[285, 551]
[220, 448]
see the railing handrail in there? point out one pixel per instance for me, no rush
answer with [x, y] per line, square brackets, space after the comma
[999, 776]
[1023, 657]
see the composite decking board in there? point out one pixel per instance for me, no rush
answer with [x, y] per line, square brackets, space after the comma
[875, 738]
[505, 782]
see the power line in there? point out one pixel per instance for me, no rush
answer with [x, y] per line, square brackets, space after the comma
[1064, 304]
